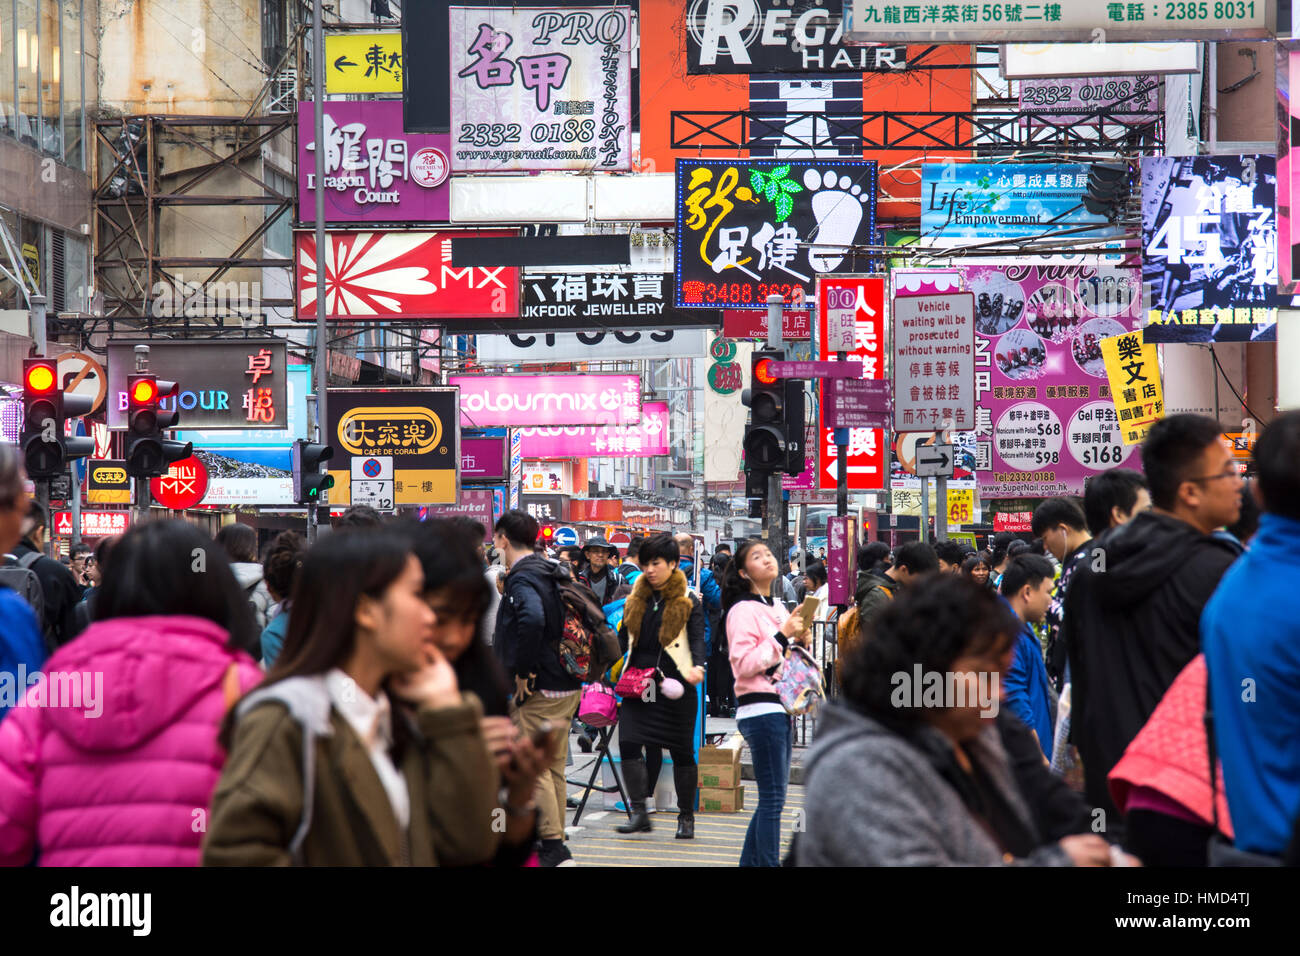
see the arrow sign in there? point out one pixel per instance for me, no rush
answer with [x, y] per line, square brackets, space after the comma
[833, 469]
[934, 461]
[850, 369]
[341, 62]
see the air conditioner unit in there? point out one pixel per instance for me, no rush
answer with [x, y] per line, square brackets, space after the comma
[283, 96]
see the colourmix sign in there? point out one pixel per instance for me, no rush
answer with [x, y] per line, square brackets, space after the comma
[506, 401]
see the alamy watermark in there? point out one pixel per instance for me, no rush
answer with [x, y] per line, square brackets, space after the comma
[946, 690]
[195, 300]
[80, 690]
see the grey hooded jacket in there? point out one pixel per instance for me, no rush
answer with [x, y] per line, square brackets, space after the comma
[874, 799]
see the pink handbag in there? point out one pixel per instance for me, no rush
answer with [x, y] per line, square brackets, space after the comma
[598, 706]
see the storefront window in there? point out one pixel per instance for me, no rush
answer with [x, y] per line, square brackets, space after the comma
[27, 52]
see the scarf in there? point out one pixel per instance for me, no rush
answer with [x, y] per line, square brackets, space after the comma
[677, 607]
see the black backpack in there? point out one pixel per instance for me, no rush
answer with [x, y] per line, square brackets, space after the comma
[17, 574]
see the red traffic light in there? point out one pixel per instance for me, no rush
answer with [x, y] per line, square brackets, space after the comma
[39, 378]
[763, 372]
[548, 533]
[144, 391]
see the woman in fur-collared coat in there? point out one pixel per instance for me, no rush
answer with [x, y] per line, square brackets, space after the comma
[666, 622]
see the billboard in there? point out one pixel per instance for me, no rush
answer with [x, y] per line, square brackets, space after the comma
[509, 401]
[266, 447]
[646, 439]
[224, 384]
[600, 297]
[769, 36]
[411, 434]
[865, 465]
[374, 172]
[1118, 99]
[1288, 131]
[402, 275]
[363, 63]
[747, 229]
[1209, 248]
[541, 88]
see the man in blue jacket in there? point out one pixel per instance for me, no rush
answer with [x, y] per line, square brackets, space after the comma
[22, 649]
[1027, 584]
[1251, 637]
[710, 590]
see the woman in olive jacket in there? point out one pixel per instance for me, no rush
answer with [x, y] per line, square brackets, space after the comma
[358, 749]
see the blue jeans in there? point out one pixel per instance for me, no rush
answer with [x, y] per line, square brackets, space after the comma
[770, 745]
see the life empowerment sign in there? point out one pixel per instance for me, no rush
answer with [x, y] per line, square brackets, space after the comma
[934, 362]
[508, 401]
[541, 88]
[374, 172]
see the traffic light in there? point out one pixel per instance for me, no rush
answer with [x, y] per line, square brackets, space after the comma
[148, 453]
[1108, 189]
[46, 450]
[308, 480]
[764, 440]
[547, 535]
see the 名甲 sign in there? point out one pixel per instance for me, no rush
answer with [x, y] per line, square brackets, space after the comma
[541, 88]
[363, 63]
[934, 362]
[407, 436]
[748, 229]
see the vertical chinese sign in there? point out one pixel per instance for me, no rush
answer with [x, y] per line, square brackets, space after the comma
[1134, 373]
[866, 449]
[541, 88]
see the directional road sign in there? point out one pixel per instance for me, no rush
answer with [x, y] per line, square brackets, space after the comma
[849, 369]
[934, 461]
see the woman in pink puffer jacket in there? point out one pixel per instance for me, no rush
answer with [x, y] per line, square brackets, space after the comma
[112, 757]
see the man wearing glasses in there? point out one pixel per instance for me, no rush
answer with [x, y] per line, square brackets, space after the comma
[1134, 610]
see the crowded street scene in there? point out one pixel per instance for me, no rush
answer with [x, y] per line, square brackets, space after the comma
[732, 434]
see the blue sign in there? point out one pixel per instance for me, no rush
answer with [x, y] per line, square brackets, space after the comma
[566, 537]
[964, 202]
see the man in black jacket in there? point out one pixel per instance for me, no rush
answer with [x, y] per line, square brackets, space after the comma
[600, 574]
[530, 623]
[1133, 611]
[62, 593]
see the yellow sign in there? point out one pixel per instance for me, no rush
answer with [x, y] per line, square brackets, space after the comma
[390, 431]
[1135, 388]
[363, 63]
[961, 506]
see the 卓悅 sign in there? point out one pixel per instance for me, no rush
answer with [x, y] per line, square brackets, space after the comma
[601, 297]
[596, 345]
[747, 229]
[108, 483]
[94, 524]
[962, 203]
[1209, 248]
[934, 362]
[505, 401]
[866, 464]
[183, 486]
[374, 171]
[402, 275]
[752, 324]
[771, 36]
[363, 63]
[541, 88]
[921, 21]
[224, 384]
[417, 429]
[1135, 386]
[484, 459]
[646, 439]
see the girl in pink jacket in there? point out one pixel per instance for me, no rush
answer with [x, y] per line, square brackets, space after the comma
[111, 757]
[758, 632]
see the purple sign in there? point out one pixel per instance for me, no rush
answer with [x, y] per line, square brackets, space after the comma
[508, 401]
[483, 459]
[476, 503]
[1122, 99]
[848, 369]
[841, 559]
[806, 480]
[645, 440]
[374, 172]
[856, 403]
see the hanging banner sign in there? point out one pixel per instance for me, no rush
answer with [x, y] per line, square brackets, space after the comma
[600, 297]
[770, 36]
[747, 229]
[1116, 99]
[1134, 372]
[597, 345]
[645, 440]
[484, 459]
[374, 172]
[541, 88]
[108, 483]
[866, 449]
[505, 401]
[924, 21]
[1209, 248]
[402, 275]
[363, 63]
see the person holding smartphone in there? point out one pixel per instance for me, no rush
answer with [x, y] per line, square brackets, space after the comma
[758, 632]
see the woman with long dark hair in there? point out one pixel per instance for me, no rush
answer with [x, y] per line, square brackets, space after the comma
[359, 748]
[758, 633]
[111, 759]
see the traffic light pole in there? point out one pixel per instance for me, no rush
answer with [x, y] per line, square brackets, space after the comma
[43, 498]
[774, 514]
[313, 416]
[322, 250]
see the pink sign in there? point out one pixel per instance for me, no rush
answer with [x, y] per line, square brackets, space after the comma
[645, 440]
[752, 324]
[513, 401]
[474, 503]
[374, 171]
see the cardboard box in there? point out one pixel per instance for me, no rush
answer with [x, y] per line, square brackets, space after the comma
[720, 776]
[725, 755]
[713, 800]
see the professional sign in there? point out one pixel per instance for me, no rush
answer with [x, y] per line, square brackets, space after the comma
[1134, 372]
[934, 362]
[962, 203]
[363, 63]
[866, 462]
[402, 275]
[503, 401]
[541, 88]
[747, 229]
[414, 427]
[108, 483]
[184, 485]
[601, 297]
[646, 439]
[374, 172]
[1116, 99]
[594, 346]
[224, 383]
[484, 459]
[94, 524]
[1209, 248]
[924, 21]
[767, 36]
